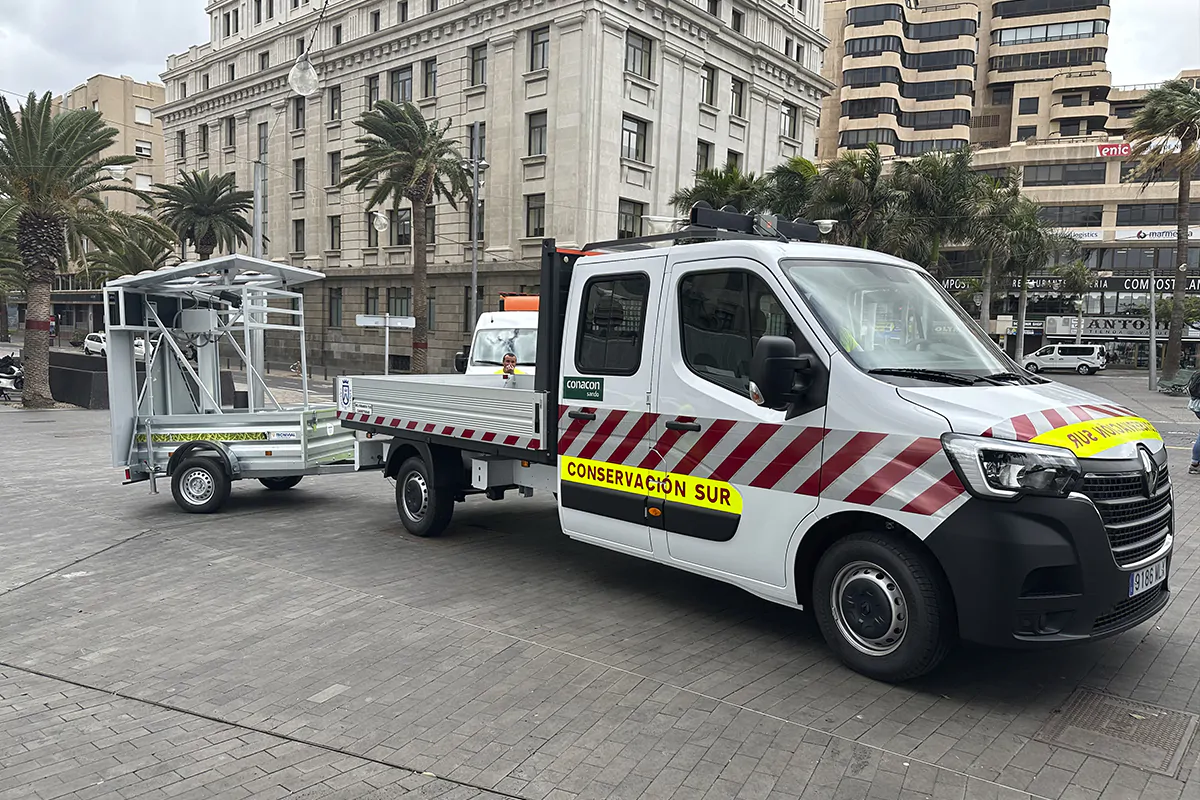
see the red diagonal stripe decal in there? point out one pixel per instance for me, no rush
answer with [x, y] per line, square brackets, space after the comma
[511, 440]
[412, 423]
[798, 448]
[636, 434]
[844, 459]
[704, 445]
[663, 445]
[602, 433]
[1054, 418]
[1108, 412]
[897, 470]
[1024, 429]
[489, 436]
[743, 452]
[573, 430]
[562, 410]
[935, 498]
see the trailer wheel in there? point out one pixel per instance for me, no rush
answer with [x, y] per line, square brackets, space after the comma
[200, 485]
[280, 484]
[425, 507]
[883, 607]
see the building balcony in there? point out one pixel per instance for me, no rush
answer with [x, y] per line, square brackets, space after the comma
[1080, 79]
[1059, 111]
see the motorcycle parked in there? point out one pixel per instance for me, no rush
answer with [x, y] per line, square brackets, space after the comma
[12, 376]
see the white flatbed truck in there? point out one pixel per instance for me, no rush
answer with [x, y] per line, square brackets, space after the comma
[822, 426]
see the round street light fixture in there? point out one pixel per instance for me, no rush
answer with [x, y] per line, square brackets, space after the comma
[825, 226]
[118, 171]
[379, 221]
[303, 77]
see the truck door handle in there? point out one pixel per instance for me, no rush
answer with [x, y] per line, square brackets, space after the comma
[589, 415]
[673, 425]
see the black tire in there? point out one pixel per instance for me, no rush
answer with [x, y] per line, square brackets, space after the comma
[1084, 369]
[1032, 367]
[281, 484]
[425, 507]
[200, 485]
[102, 353]
[874, 570]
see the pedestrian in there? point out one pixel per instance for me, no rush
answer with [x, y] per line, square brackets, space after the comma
[1194, 407]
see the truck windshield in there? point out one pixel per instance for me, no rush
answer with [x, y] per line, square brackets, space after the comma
[492, 344]
[896, 321]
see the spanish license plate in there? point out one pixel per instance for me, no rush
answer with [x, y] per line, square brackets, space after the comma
[1147, 578]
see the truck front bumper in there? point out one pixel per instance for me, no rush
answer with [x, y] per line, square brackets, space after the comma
[1042, 571]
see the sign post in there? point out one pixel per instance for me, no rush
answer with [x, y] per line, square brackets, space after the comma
[387, 322]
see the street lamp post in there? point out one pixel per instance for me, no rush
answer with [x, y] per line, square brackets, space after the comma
[477, 165]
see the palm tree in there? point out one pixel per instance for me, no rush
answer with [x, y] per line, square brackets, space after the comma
[727, 186]
[409, 158]
[1166, 137]
[854, 191]
[206, 211]
[1033, 243]
[1077, 280]
[790, 187]
[940, 190]
[993, 203]
[143, 244]
[52, 177]
[10, 265]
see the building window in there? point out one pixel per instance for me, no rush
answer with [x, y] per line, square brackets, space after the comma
[299, 46]
[789, 122]
[270, 9]
[264, 131]
[535, 215]
[734, 159]
[479, 65]
[337, 35]
[537, 134]
[376, 21]
[1072, 100]
[1036, 34]
[402, 11]
[298, 236]
[434, 5]
[1002, 96]
[335, 308]
[609, 341]
[232, 73]
[264, 61]
[371, 301]
[144, 149]
[1140, 214]
[298, 104]
[431, 308]
[708, 85]
[1048, 59]
[335, 103]
[1072, 128]
[258, 12]
[372, 91]
[400, 227]
[1025, 132]
[1073, 216]
[143, 183]
[539, 48]
[183, 89]
[298, 175]
[704, 152]
[205, 82]
[481, 127]
[1028, 105]
[629, 219]
[737, 21]
[372, 234]
[399, 301]
[737, 96]
[639, 53]
[335, 232]
[181, 145]
[335, 168]
[203, 139]
[230, 131]
[1065, 174]
[400, 82]
[714, 7]
[633, 139]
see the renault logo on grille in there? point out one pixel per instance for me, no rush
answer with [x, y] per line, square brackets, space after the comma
[1149, 472]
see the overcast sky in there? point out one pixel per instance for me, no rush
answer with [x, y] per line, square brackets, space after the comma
[57, 44]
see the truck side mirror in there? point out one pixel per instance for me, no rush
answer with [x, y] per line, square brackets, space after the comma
[774, 370]
[460, 362]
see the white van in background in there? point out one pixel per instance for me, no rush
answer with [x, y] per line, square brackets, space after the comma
[1086, 359]
[496, 334]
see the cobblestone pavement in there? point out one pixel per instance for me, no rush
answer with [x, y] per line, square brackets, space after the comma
[301, 645]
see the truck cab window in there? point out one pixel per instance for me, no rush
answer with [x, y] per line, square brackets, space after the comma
[612, 324]
[722, 317]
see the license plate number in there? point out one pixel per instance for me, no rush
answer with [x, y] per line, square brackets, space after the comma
[1147, 578]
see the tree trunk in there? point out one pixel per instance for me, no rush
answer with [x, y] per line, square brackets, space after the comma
[420, 300]
[1183, 213]
[4, 322]
[1021, 303]
[985, 302]
[35, 353]
[1079, 321]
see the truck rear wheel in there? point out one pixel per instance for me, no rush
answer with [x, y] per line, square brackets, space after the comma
[280, 484]
[883, 607]
[200, 485]
[425, 507]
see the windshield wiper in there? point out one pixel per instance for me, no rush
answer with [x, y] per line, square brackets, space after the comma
[482, 363]
[1000, 378]
[935, 375]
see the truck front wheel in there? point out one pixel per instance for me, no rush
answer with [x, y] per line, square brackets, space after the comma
[883, 607]
[425, 507]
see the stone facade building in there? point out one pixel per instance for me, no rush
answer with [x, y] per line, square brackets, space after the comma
[591, 113]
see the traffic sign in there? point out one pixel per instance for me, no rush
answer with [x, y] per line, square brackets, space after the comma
[384, 321]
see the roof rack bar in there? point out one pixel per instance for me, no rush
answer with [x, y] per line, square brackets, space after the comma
[711, 224]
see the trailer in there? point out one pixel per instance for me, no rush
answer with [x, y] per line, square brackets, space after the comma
[171, 419]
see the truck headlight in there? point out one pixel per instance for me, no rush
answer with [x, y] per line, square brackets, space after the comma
[1001, 470]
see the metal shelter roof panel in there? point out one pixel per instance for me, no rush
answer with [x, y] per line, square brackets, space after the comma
[222, 271]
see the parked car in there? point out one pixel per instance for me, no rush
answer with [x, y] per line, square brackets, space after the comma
[96, 344]
[1086, 359]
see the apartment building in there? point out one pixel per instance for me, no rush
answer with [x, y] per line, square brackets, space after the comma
[589, 114]
[916, 76]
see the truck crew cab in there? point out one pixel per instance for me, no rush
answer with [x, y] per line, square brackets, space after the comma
[819, 425]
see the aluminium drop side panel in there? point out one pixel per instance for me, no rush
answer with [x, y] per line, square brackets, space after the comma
[122, 381]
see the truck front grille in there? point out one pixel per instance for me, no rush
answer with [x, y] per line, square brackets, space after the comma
[1135, 608]
[1136, 524]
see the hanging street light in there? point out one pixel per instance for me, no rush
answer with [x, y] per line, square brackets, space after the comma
[303, 77]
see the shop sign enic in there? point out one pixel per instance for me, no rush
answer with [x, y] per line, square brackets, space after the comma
[1114, 150]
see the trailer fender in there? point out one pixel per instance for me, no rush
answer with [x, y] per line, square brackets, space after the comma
[446, 462]
[232, 467]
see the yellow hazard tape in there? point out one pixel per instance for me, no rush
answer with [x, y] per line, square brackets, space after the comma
[250, 436]
[700, 492]
[1089, 438]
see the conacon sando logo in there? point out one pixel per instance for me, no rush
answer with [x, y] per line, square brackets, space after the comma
[583, 388]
